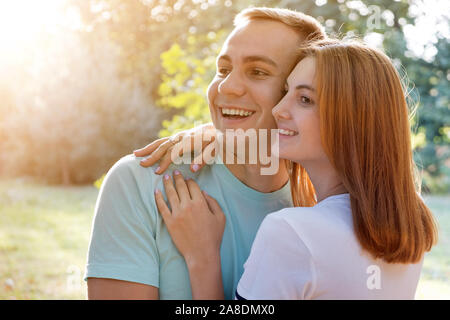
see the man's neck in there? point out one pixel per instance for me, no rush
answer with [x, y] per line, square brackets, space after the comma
[250, 175]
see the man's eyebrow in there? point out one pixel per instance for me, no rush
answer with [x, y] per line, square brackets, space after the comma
[261, 59]
[251, 59]
[224, 57]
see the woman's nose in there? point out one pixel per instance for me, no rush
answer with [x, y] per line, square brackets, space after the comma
[280, 111]
[233, 84]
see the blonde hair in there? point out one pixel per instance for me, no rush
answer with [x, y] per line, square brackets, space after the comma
[304, 24]
[365, 132]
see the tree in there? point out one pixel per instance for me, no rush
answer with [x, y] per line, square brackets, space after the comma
[74, 116]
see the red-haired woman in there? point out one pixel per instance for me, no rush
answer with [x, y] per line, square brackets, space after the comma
[359, 229]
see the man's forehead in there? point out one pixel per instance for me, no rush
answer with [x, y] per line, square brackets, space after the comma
[261, 40]
[267, 31]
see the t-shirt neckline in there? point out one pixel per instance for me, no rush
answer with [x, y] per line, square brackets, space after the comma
[238, 186]
[336, 196]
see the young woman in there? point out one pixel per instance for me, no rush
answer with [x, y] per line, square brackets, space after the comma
[359, 229]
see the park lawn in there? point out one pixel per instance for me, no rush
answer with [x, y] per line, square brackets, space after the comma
[44, 234]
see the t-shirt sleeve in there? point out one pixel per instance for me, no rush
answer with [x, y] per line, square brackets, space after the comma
[122, 244]
[280, 266]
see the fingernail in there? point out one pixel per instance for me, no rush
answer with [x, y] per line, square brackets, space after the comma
[205, 192]
[156, 191]
[195, 167]
[166, 177]
[157, 169]
[176, 172]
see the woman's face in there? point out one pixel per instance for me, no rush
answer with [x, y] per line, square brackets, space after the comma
[297, 116]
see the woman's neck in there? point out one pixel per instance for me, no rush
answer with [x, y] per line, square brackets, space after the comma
[325, 179]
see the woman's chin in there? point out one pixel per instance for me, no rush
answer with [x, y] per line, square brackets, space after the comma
[281, 154]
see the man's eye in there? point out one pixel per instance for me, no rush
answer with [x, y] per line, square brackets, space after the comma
[257, 72]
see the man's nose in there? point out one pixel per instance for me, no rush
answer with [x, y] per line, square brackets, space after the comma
[281, 111]
[233, 84]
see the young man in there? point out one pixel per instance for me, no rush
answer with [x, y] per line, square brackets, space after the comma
[131, 254]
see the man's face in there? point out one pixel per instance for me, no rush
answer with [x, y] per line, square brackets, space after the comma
[252, 68]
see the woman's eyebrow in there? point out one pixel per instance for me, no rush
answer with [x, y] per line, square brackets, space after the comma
[304, 86]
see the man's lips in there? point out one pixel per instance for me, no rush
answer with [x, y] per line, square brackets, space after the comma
[235, 112]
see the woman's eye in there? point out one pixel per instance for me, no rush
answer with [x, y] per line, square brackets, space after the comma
[306, 100]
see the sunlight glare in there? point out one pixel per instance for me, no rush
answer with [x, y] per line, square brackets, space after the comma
[21, 22]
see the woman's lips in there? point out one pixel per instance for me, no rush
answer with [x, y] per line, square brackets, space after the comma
[287, 132]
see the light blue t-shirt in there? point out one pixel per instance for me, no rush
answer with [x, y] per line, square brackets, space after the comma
[130, 242]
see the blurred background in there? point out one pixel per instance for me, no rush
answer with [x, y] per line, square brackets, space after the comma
[85, 82]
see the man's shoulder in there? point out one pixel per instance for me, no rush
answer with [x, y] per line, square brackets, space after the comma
[129, 170]
[128, 163]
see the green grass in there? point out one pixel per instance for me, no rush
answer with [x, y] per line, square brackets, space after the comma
[435, 279]
[44, 235]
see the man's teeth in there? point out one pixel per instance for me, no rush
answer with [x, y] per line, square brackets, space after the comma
[235, 112]
[287, 132]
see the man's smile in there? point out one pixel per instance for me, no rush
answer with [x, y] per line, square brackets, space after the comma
[235, 113]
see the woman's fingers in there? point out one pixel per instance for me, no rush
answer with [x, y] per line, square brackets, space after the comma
[166, 160]
[171, 193]
[160, 151]
[168, 151]
[162, 206]
[214, 206]
[200, 140]
[181, 187]
[194, 190]
[148, 149]
[207, 157]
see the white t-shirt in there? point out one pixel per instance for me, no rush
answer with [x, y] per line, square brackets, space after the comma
[313, 253]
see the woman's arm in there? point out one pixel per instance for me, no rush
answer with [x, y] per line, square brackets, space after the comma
[206, 279]
[196, 224]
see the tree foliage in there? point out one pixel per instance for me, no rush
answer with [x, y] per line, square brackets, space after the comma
[184, 82]
[73, 115]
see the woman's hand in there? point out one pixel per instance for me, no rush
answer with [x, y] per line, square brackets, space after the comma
[196, 224]
[196, 221]
[180, 143]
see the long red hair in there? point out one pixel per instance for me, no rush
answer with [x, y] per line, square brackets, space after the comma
[365, 132]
